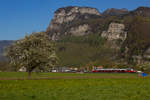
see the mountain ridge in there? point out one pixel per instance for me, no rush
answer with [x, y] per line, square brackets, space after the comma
[86, 26]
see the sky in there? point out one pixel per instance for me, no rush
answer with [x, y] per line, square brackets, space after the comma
[21, 17]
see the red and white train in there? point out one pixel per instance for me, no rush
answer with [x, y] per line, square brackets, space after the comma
[110, 70]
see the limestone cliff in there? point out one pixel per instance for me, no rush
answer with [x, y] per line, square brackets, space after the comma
[67, 20]
[115, 34]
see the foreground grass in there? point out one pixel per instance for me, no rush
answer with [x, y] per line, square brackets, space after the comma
[76, 89]
[22, 75]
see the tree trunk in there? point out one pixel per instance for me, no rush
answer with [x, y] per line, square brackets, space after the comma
[30, 71]
[29, 74]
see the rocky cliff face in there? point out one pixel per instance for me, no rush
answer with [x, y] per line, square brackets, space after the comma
[65, 20]
[115, 34]
[74, 20]
[115, 31]
[68, 14]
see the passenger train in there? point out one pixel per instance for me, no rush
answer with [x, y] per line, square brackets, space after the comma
[111, 70]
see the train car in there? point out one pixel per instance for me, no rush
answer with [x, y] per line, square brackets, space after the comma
[111, 70]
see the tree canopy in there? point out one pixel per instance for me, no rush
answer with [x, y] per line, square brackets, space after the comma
[35, 51]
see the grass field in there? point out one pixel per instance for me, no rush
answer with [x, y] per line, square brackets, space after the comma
[23, 75]
[72, 86]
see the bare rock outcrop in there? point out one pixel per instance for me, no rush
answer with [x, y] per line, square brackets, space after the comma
[65, 21]
[80, 30]
[68, 14]
[115, 34]
[115, 31]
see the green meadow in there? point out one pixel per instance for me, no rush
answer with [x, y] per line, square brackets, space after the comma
[24, 75]
[73, 86]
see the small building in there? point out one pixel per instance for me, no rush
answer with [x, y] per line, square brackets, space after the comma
[22, 69]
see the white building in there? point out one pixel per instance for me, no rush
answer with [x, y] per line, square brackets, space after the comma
[22, 69]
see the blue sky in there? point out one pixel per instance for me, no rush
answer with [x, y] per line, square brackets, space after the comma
[21, 17]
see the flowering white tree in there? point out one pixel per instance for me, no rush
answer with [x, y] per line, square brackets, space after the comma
[35, 51]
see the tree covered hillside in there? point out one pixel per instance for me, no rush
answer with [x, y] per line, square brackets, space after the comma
[85, 51]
